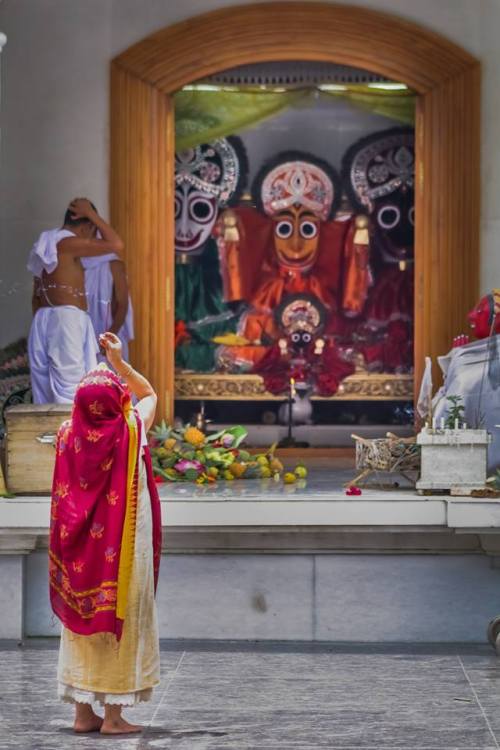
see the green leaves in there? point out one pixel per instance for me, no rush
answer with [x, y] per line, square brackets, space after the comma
[161, 432]
[456, 412]
[169, 461]
[494, 480]
[217, 452]
[237, 433]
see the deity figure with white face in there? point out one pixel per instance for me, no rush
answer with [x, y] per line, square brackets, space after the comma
[208, 177]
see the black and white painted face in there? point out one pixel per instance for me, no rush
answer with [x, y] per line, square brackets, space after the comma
[395, 217]
[195, 216]
[300, 339]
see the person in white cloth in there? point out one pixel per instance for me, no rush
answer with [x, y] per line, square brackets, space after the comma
[108, 299]
[62, 344]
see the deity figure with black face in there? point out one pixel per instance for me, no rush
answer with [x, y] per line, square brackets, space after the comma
[207, 178]
[292, 244]
[303, 352]
[379, 173]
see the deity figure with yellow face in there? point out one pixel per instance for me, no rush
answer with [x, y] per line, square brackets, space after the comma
[207, 178]
[289, 244]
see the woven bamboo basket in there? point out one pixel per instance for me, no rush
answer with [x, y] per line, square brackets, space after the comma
[391, 454]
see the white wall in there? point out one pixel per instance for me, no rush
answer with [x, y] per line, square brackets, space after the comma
[324, 128]
[54, 112]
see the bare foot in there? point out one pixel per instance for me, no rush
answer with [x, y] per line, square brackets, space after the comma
[90, 724]
[119, 726]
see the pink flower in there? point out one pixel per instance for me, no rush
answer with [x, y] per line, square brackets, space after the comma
[185, 464]
[227, 441]
[353, 491]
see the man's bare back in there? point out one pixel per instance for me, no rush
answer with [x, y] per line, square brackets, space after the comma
[66, 284]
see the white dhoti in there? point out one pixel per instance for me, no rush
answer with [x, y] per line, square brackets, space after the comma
[62, 348]
[99, 291]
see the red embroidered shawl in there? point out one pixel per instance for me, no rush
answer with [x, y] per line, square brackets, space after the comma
[93, 511]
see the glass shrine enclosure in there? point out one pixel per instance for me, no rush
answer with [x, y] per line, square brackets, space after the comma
[294, 247]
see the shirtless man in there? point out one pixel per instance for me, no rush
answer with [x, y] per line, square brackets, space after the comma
[62, 344]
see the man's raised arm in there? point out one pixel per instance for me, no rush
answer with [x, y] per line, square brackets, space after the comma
[88, 246]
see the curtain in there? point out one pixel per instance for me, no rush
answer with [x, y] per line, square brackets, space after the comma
[201, 115]
[396, 104]
[205, 113]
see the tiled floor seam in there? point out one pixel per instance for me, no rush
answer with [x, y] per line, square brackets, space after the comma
[164, 693]
[490, 729]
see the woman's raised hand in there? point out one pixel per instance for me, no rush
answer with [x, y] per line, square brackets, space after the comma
[112, 347]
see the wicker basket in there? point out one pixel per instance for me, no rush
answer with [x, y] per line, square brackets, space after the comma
[390, 454]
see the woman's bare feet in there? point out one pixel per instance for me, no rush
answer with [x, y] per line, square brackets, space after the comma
[85, 719]
[119, 727]
[114, 723]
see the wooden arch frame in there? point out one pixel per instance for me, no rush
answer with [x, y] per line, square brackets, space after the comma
[447, 79]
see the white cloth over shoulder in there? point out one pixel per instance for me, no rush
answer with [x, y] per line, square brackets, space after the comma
[62, 348]
[43, 255]
[465, 371]
[99, 291]
[424, 402]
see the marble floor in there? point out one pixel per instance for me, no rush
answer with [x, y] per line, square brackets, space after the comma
[325, 481]
[227, 696]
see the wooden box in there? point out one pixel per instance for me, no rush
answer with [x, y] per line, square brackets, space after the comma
[30, 453]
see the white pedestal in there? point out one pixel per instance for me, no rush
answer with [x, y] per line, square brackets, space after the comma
[454, 460]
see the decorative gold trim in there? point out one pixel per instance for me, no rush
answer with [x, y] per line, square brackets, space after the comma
[358, 387]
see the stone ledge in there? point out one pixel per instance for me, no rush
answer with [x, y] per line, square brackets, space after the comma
[405, 509]
[292, 540]
[427, 526]
[14, 542]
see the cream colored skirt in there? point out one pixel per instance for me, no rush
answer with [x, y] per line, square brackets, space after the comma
[98, 668]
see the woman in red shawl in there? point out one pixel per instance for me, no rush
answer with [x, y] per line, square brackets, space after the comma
[105, 546]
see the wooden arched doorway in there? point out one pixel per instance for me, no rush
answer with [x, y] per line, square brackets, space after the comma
[446, 78]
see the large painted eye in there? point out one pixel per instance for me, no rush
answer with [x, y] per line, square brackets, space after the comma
[411, 216]
[201, 210]
[284, 229]
[295, 338]
[178, 207]
[306, 338]
[388, 216]
[308, 230]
